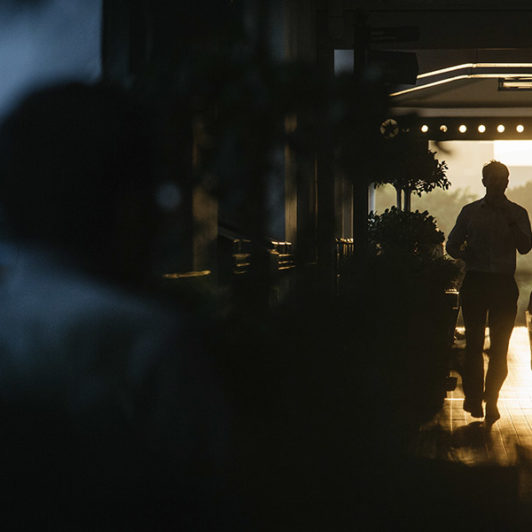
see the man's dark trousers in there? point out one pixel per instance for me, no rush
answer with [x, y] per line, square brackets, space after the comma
[495, 296]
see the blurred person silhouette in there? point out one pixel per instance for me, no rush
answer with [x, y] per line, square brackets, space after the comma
[112, 411]
[486, 236]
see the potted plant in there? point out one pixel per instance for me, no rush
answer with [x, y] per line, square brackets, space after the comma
[411, 168]
[408, 276]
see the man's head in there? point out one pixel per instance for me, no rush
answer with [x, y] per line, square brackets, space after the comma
[76, 175]
[495, 178]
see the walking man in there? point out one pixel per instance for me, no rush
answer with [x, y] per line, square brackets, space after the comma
[486, 236]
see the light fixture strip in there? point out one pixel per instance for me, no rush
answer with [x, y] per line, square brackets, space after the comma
[517, 84]
[474, 66]
[487, 128]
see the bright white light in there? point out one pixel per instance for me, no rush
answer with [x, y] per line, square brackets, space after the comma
[462, 128]
[443, 128]
[520, 128]
[513, 152]
[482, 128]
[500, 128]
[424, 128]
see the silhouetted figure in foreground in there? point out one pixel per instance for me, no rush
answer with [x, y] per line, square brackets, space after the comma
[486, 236]
[111, 412]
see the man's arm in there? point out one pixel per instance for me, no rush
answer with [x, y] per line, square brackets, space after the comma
[457, 237]
[521, 232]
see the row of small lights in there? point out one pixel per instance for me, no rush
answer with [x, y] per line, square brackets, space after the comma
[481, 128]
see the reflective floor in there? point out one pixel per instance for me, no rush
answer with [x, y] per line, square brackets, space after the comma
[455, 435]
[461, 473]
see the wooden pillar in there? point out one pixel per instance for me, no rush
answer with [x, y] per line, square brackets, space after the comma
[291, 186]
[360, 185]
[325, 171]
[301, 184]
[205, 230]
[307, 207]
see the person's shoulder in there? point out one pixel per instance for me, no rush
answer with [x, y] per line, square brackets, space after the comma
[517, 207]
[472, 206]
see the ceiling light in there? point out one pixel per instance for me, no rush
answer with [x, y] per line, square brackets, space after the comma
[443, 128]
[520, 128]
[482, 128]
[515, 83]
[424, 128]
[462, 128]
[500, 128]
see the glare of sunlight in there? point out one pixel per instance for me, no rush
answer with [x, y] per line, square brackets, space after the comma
[513, 152]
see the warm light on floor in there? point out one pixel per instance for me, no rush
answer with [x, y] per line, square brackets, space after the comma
[519, 381]
[458, 437]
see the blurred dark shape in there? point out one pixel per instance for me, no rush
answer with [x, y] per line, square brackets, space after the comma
[395, 67]
[77, 177]
[111, 410]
